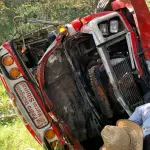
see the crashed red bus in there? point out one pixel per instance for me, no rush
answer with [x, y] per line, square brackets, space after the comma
[68, 84]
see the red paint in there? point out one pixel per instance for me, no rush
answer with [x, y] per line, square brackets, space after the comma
[9, 49]
[78, 23]
[27, 125]
[57, 131]
[40, 75]
[39, 101]
[143, 18]
[116, 5]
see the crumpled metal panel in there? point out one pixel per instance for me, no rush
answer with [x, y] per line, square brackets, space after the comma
[62, 91]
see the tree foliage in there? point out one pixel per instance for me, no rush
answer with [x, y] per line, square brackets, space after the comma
[62, 11]
[6, 108]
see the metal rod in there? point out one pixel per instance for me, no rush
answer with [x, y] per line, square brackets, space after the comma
[42, 21]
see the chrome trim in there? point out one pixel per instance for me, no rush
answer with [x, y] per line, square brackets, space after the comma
[101, 5]
[117, 40]
[71, 29]
[99, 39]
[98, 34]
[130, 50]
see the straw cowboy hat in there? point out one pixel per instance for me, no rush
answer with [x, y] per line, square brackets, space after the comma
[126, 135]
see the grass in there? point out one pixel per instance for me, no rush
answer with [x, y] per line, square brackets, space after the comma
[15, 136]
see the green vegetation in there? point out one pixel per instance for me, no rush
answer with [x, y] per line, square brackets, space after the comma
[14, 136]
[62, 11]
[148, 3]
[4, 103]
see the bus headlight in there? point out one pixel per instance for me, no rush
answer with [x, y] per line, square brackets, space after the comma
[104, 28]
[7, 60]
[14, 73]
[114, 26]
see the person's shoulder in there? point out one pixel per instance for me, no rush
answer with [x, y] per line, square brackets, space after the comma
[146, 105]
[143, 106]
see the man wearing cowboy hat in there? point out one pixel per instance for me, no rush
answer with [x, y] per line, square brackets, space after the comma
[126, 135]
